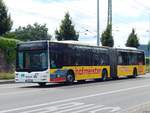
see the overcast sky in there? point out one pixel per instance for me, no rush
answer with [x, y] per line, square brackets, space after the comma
[127, 14]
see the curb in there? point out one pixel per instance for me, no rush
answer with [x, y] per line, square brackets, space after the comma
[7, 81]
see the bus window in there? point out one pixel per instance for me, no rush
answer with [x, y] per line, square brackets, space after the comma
[96, 61]
[120, 61]
[78, 59]
[53, 59]
[123, 58]
[66, 59]
[141, 59]
[53, 65]
[104, 59]
[20, 60]
[32, 60]
[43, 59]
[132, 58]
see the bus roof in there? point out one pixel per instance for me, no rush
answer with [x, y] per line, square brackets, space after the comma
[78, 43]
[73, 42]
[83, 44]
[129, 49]
[38, 41]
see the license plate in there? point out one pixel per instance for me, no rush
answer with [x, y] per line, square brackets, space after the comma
[29, 80]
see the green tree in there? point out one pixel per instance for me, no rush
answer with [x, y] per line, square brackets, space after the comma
[30, 33]
[67, 30]
[5, 19]
[133, 40]
[107, 38]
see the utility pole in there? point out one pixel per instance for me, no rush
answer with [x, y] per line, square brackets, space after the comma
[98, 36]
[109, 20]
[148, 46]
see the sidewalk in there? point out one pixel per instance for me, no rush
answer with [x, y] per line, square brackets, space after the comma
[7, 81]
[144, 108]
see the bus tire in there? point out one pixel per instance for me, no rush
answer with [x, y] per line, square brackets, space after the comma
[41, 84]
[135, 74]
[70, 77]
[104, 75]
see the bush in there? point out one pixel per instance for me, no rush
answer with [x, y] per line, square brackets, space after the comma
[147, 60]
[8, 46]
[6, 76]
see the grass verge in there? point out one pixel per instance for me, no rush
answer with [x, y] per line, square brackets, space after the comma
[147, 68]
[6, 76]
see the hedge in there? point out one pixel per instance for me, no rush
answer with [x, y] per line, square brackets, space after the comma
[147, 60]
[8, 46]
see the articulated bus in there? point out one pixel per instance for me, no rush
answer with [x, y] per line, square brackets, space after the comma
[55, 62]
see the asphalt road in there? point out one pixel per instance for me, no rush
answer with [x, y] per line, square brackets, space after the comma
[91, 97]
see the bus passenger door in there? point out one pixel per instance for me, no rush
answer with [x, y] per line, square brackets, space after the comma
[113, 63]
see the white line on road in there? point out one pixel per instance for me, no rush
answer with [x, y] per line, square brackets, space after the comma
[80, 107]
[75, 98]
[20, 92]
[87, 109]
[113, 109]
[54, 108]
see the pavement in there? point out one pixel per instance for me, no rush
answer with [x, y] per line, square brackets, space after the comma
[143, 108]
[7, 81]
[115, 96]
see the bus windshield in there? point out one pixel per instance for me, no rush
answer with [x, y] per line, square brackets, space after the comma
[32, 61]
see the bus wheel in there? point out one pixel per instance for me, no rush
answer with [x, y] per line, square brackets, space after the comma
[104, 75]
[70, 78]
[134, 73]
[42, 84]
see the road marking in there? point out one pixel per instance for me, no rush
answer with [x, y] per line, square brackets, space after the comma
[75, 98]
[113, 109]
[73, 107]
[19, 92]
[80, 107]
[55, 108]
[87, 109]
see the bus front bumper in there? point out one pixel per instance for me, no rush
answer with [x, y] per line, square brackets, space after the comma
[33, 77]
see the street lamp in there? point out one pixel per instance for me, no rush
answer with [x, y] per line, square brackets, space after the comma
[98, 38]
[148, 47]
[149, 55]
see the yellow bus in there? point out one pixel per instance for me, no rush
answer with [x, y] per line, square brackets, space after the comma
[54, 62]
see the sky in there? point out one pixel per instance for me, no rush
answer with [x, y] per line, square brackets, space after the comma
[126, 14]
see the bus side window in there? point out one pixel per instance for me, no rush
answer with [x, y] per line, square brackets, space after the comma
[141, 59]
[53, 65]
[67, 59]
[95, 60]
[72, 60]
[20, 63]
[123, 58]
[105, 59]
[53, 59]
[101, 60]
[120, 61]
[132, 59]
